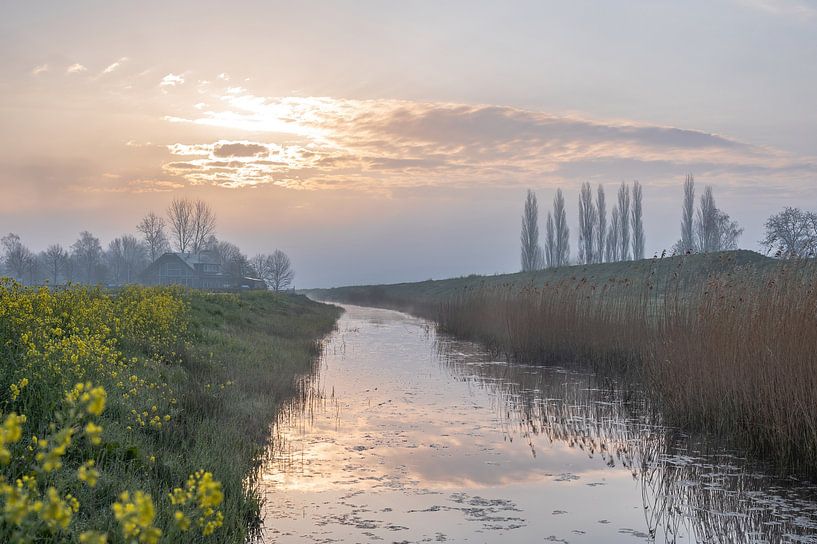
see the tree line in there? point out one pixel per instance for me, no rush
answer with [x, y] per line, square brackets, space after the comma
[189, 227]
[598, 242]
[704, 228]
[790, 233]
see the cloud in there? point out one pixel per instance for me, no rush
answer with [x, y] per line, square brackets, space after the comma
[239, 149]
[136, 185]
[115, 65]
[40, 69]
[171, 80]
[76, 68]
[321, 142]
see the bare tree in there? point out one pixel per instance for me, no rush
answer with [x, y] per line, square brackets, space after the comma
[232, 260]
[791, 233]
[70, 267]
[624, 223]
[152, 228]
[714, 229]
[180, 221]
[729, 232]
[54, 258]
[258, 264]
[637, 221]
[204, 225]
[529, 238]
[88, 254]
[33, 269]
[550, 242]
[280, 271]
[588, 222]
[16, 256]
[613, 236]
[706, 223]
[127, 256]
[687, 242]
[562, 231]
[136, 258]
[601, 229]
[116, 260]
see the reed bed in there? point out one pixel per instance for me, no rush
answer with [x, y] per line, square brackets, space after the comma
[560, 323]
[737, 356]
[732, 352]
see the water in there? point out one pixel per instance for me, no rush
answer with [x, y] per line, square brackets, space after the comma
[403, 435]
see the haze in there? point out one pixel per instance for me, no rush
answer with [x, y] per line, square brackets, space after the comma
[380, 142]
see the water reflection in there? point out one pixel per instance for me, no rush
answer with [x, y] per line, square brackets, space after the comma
[688, 487]
[405, 436]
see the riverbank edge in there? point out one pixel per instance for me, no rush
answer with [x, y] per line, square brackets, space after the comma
[260, 344]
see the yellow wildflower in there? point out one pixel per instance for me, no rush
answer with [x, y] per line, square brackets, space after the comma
[88, 474]
[56, 513]
[93, 537]
[16, 504]
[135, 515]
[96, 404]
[94, 433]
[181, 520]
[11, 432]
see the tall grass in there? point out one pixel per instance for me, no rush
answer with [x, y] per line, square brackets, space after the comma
[737, 355]
[733, 353]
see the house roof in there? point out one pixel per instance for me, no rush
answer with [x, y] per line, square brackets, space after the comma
[192, 259]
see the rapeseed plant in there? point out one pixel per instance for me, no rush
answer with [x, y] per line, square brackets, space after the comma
[64, 365]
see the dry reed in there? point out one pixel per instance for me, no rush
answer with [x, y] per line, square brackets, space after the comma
[733, 353]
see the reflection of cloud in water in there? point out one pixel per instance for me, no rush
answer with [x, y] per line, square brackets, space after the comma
[404, 435]
[688, 486]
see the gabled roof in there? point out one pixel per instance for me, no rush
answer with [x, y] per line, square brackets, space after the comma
[190, 260]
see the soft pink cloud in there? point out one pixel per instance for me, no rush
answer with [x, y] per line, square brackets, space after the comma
[321, 142]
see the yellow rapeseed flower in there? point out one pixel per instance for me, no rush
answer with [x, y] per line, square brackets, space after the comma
[11, 431]
[181, 520]
[88, 474]
[96, 404]
[93, 537]
[56, 512]
[135, 515]
[94, 433]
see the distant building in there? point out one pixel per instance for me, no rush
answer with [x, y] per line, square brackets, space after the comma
[197, 270]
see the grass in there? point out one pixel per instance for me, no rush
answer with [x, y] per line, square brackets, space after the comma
[261, 343]
[179, 383]
[726, 343]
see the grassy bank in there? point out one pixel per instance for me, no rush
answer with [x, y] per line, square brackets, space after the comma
[138, 416]
[423, 297]
[726, 342]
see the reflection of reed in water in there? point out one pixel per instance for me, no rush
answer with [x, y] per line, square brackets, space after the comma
[691, 489]
[298, 413]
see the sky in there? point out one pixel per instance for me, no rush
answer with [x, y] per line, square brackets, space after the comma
[394, 141]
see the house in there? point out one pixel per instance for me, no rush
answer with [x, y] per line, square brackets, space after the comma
[202, 270]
